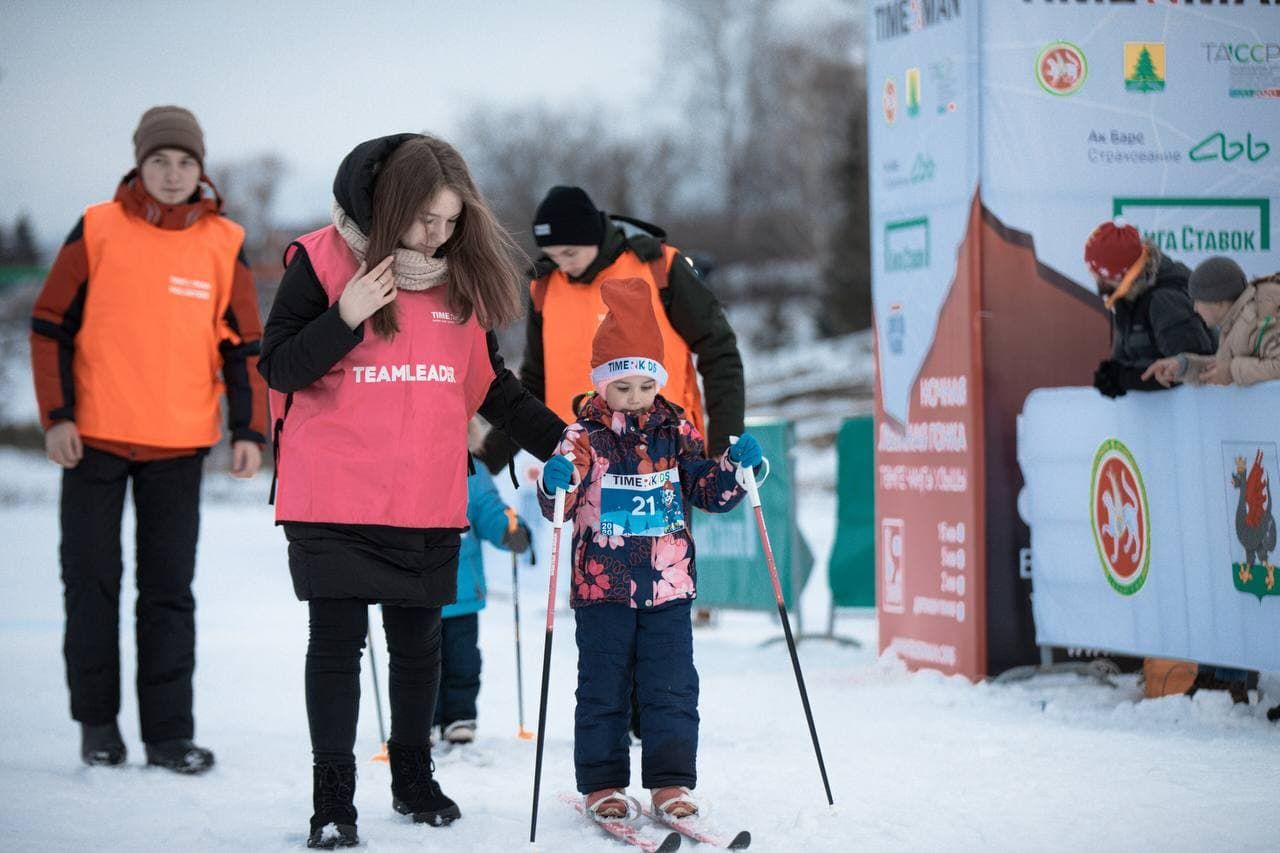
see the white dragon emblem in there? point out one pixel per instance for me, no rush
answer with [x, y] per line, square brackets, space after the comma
[1062, 69]
[1122, 519]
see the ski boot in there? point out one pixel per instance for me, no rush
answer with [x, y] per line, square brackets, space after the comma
[674, 801]
[611, 804]
[460, 731]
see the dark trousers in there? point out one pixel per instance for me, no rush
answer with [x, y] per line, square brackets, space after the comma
[615, 643]
[338, 630]
[166, 498]
[459, 669]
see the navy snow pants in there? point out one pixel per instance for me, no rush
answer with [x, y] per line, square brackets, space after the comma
[615, 642]
[459, 669]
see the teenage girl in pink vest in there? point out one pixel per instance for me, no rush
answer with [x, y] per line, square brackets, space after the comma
[378, 350]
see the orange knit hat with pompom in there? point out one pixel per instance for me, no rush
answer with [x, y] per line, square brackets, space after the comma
[628, 342]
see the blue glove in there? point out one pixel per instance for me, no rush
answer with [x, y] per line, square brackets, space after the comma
[746, 451]
[557, 474]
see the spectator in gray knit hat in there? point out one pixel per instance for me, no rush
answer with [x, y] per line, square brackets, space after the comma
[1245, 316]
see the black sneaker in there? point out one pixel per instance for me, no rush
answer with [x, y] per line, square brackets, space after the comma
[179, 755]
[414, 790]
[333, 793]
[102, 746]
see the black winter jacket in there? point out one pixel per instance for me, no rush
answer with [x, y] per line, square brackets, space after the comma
[1156, 319]
[303, 339]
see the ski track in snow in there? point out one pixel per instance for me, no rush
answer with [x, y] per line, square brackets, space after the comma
[917, 761]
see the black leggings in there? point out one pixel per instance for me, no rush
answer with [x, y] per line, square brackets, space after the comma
[338, 629]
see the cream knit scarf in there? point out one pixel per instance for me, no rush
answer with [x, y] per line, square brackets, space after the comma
[414, 270]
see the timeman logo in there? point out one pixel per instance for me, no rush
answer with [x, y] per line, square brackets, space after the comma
[1119, 511]
[1144, 66]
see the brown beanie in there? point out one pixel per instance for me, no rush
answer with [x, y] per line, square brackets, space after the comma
[168, 127]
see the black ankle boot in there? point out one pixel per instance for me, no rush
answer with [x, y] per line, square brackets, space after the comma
[180, 755]
[333, 791]
[413, 789]
[102, 746]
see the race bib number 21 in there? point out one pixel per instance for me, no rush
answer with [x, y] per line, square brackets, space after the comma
[641, 504]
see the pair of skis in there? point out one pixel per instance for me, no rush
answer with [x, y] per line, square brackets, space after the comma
[689, 827]
[662, 834]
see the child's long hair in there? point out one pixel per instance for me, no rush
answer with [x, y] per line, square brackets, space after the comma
[483, 276]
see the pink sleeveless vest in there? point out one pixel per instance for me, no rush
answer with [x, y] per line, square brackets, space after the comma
[382, 437]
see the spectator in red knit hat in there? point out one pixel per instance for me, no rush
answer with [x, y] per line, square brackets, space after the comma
[1152, 315]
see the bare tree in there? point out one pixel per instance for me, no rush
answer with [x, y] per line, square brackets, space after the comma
[848, 268]
[248, 188]
[23, 250]
[519, 154]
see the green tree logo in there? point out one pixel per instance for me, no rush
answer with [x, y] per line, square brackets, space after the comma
[1144, 77]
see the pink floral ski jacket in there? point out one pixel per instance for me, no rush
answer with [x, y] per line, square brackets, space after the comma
[640, 474]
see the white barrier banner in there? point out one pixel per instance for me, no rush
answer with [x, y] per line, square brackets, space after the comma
[1153, 527]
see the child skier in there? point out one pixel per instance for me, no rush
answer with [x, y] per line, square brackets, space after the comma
[637, 461]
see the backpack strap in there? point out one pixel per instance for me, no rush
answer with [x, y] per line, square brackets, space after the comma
[275, 447]
[289, 251]
[539, 274]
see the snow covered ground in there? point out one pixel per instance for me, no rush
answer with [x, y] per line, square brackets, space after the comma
[917, 761]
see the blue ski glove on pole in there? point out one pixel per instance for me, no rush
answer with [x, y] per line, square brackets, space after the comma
[746, 451]
[557, 474]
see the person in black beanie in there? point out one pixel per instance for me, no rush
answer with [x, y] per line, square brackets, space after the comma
[568, 217]
[582, 247]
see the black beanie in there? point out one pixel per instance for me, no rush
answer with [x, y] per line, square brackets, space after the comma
[1217, 279]
[567, 217]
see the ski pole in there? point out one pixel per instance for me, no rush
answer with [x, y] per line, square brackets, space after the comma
[377, 699]
[512, 523]
[748, 480]
[557, 525]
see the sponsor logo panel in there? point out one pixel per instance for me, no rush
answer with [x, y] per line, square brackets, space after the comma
[1200, 224]
[1061, 68]
[906, 244]
[1120, 517]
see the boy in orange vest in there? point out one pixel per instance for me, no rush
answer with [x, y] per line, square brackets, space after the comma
[584, 246]
[148, 314]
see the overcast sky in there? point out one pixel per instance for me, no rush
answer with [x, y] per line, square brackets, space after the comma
[305, 79]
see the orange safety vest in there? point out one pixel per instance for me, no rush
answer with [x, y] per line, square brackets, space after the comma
[572, 312]
[146, 358]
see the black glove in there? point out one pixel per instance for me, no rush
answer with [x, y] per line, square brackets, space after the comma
[1107, 379]
[516, 540]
